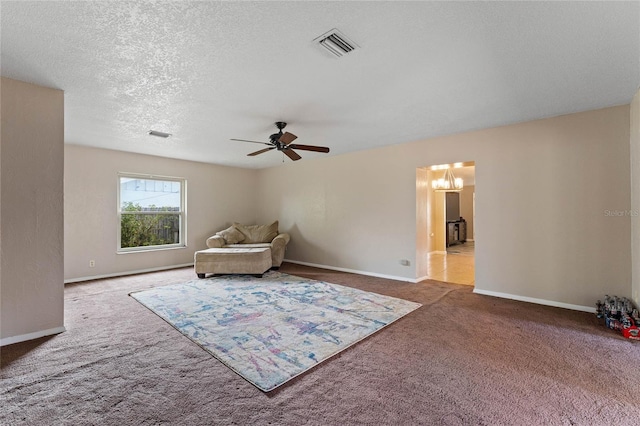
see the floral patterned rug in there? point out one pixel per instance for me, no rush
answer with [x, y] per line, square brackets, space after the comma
[271, 329]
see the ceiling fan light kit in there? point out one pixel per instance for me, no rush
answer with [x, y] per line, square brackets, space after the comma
[282, 142]
[447, 183]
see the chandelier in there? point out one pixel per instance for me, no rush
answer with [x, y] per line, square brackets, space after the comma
[447, 183]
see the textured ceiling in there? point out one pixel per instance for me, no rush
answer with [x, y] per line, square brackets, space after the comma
[210, 71]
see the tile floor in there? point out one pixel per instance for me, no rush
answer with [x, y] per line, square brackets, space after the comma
[457, 266]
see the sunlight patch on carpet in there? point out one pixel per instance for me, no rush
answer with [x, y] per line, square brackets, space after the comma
[271, 329]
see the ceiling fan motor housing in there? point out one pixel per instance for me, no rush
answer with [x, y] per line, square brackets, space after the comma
[282, 142]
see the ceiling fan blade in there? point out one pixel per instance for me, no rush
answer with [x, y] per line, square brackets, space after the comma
[287, 138]
[261, 151]
[291, 154]
[244, 140]
[310, 148]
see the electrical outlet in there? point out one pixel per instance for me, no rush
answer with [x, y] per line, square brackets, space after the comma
[92, 263]
[405, 262]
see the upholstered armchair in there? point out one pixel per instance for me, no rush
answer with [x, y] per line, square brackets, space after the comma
[253, 236]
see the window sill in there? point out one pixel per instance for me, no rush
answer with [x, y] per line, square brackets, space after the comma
[146, 250]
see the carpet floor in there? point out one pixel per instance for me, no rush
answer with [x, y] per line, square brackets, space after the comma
[460, 359]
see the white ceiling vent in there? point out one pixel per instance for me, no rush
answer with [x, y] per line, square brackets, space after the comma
[336, 43]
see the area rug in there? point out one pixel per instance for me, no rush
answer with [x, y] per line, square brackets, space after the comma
[271, 329]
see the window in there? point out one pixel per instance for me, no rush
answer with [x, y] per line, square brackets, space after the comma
[151, 212]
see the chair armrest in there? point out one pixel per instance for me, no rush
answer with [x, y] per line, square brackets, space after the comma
[280, 240]
[278, 247]
[215, 242]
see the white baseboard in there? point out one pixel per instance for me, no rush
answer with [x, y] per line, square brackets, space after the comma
[122, 274]
[30, 336]
[475, 290]
[314, 265]
[535, 300]
[353, 271]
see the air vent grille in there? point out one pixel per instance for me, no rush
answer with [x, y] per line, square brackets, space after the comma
[159, 134]
[336, 43]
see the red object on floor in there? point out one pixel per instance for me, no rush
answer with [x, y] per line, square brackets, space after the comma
[632, 332]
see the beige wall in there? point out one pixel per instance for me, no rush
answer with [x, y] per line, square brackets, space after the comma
[543, 188]
[423, 221]
[216, 196]
[346, 211]
[31, 272]
[635, 197]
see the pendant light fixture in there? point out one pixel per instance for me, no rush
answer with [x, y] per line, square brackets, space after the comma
[447, 183]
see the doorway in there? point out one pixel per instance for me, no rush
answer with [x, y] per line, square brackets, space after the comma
[445, 228]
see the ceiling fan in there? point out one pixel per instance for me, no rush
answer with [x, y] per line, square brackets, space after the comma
[282, 142]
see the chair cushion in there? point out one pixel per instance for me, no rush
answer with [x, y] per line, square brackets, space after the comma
[258, 233]
[255, 245]
[233, 261]
[231, 235]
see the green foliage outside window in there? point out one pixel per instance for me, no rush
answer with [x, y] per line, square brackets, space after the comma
[153, 226]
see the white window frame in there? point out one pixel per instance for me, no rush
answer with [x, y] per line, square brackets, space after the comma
[182, 213]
